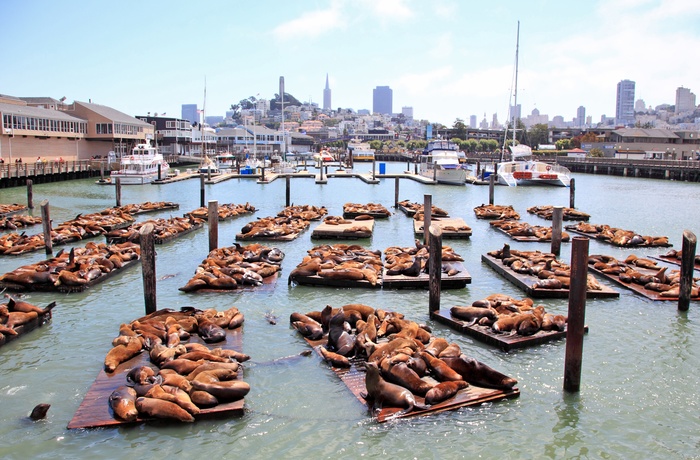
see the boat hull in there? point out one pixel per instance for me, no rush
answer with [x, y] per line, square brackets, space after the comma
[522, 173]
[133, 179]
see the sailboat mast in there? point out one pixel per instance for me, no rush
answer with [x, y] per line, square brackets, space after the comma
[515, 93]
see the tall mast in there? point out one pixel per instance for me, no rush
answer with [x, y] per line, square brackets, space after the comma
[515, 94]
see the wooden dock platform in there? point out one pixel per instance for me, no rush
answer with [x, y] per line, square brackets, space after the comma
[525, 282]
[26, 328]
[422, 281]
[637, 288]
[484, 334]
[95, 412]
[354, 379]
[353, 230]
[451, 227]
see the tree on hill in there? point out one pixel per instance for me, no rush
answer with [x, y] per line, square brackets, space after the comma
[276, 102]
[460, 128]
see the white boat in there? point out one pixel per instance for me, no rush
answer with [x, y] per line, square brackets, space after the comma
[323, 155]
[440, 162]
[360, 151]
[141, 166]
[208, 166]
[225, 161]
[523, 169]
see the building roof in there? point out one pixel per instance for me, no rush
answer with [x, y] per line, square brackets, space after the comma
[646, 133]
[29, 111]
[113, 114]
[49, 101]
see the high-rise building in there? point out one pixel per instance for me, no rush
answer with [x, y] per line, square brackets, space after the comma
[327, 96]
[382, 100]
[515, 113]
[685, 100]
[624, 107]
[407, 112]
[190, 113]
[581, 116]
[472, 121]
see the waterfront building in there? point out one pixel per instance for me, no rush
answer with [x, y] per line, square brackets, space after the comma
[190, 113]
[327, 96]
[382, 100]
[173, 135]
[624, 107]
[685, 100]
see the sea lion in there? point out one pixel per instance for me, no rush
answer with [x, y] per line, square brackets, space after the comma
[39, 411]
[381, 392]
[232, 369]
[439, 368]
[230, 390]
[162, 409]
[141, 375]
[210, 332]
[174, 395]
[339, 339]
[308, 330]
[335, 359]
[443, 391]
[400, 374]
[183, 366]
[13, 319]
[122, 353]
[203, 399]
[7, 330]
[123, 403]
[479, 374]
[436, 346]
[474, 314]
[26, 307]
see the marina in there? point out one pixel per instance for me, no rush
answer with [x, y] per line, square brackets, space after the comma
[292, 400]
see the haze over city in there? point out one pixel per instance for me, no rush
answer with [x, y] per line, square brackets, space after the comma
[446, 59]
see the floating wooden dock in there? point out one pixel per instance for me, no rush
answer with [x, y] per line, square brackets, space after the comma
[342, 231]
[354, 379]
[11, 209]
[451, 227]
[504, 341]
[26, 328]
[95, 412]
[528, 239]
[572, 229]
[674, 261]
[316, 280]
[422, 281]
[525, 282]
[638, 288]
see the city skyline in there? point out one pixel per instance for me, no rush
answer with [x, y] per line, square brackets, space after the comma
[452, 60]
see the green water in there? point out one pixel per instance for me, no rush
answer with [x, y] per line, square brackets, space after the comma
[639, 381]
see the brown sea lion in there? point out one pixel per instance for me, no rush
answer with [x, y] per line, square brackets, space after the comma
[381, 393]
[474, 314]
[206, 367]
[203, 399]
[335, 359]
[39, 411]
[13, 319]
[436, 346]
[123, 403]
[210, 332]
[400, 374]
[479, 374]
[443, 391]
[440, 370]
[7, 330]
[26, 307]
[339, 340]
[308, 330]
[175, 395]
[162, 409]
[230, 390]
[122, 353]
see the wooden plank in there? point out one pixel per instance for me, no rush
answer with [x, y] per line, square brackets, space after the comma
[505, 342]
[572, 229]
[26, 328]
[673, 260]
[458, 281]
[443, 222]
[288, 237]
[94, 411]
[340, 231]
[525, 283]
[316, 280]
[354, 379]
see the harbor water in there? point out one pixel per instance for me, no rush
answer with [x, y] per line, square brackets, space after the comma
[639, 384]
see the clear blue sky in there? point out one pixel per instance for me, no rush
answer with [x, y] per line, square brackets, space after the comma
[447, 59]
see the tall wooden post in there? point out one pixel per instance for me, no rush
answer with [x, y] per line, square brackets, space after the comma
[396, 192]
[434, 268]
[427, 216]
[159, 171]
[492, 182]
[30, 194]
[572, 194]
[262, 179]
[118, 190]
[374, 164]
[46, 222]
[557, 217]
[287, 191]
[148, 267]
[201, 191]
[213, 219]
[687, 267]
[577, 314]
[102, 171]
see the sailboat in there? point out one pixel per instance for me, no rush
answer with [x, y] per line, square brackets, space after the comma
[523, 169]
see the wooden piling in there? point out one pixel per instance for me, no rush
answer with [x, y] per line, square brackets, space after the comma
[287, 191]
[396, 192]
[687, 267]
[427, 216]
[374, 164]
[262, 169]
[201, 191]
[148, 267]
[160, 171]
[557, 218]
[434, 268]
[492, 182]
[102, 171]
[118, 190]
[572, 194]
[213, 219]
[577, 314]
[30, 194]
[46, 222]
